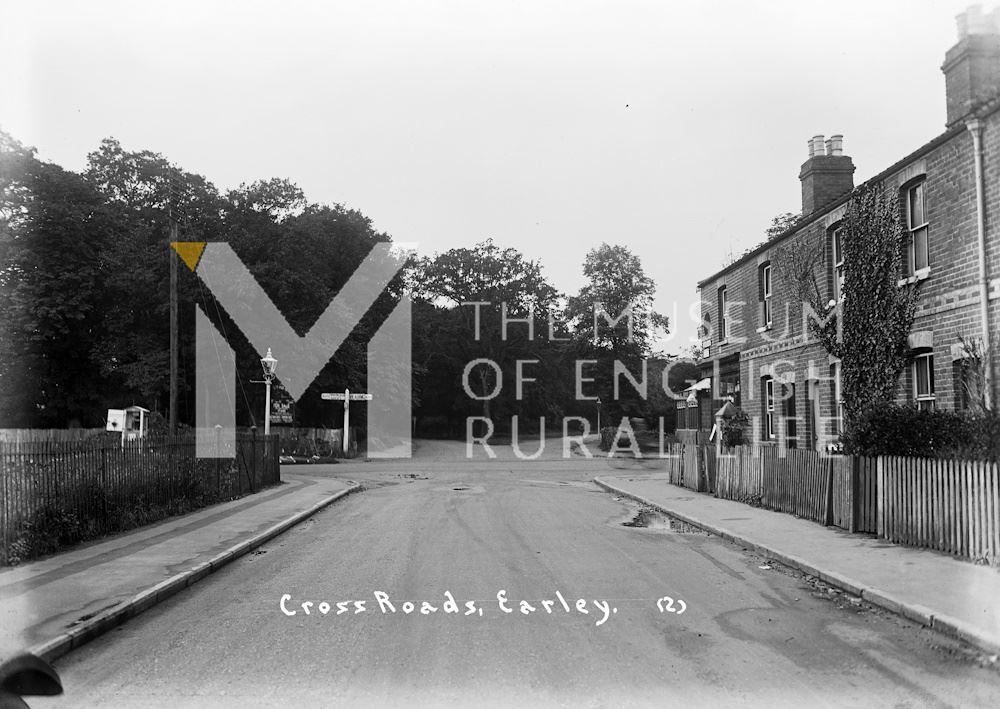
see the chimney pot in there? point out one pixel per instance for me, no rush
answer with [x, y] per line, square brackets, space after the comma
[973, 21]
[816, 146]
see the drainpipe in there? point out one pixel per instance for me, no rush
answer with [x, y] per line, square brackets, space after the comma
[975, 127]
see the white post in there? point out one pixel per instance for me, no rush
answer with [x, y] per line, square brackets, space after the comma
[347, 417]
[267, 408]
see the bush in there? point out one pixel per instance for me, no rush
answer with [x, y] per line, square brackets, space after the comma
[49, 529]
[734, 430]
[908, 431]
[608, 434]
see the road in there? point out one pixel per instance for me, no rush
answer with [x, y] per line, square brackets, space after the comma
[540, 531]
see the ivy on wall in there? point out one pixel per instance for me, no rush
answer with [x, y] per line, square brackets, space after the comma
[867, 331]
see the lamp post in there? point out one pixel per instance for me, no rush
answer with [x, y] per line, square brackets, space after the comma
[268, 363]
[598, 415]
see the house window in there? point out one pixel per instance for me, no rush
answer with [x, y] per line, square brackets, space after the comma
[768, 397]
[729, 387]
[791, 425]
[837, 246]
[838, 398]
[923, 381]
[723, 324]
[917, 257]
[765, 294]
[968, 385]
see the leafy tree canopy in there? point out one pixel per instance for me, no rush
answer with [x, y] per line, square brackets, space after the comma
[616, 284]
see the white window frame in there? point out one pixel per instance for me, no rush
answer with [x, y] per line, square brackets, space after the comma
[837, 247]
[769, 434]
[722, 300]
[916, 230]
[838, 399]
[927, 400]
[765, 275]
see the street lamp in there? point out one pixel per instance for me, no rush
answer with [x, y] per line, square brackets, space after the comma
[268, 363]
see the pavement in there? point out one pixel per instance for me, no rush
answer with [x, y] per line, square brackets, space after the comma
[54, 605]
[955, 597]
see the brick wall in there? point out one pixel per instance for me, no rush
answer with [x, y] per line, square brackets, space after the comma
[949, 297]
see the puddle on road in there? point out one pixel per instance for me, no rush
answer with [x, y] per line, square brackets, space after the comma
[649, 518]
[375, 484]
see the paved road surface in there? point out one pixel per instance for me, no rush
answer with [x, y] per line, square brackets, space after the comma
[749, 636]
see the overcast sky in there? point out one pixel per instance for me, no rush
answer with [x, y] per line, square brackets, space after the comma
[677, 129]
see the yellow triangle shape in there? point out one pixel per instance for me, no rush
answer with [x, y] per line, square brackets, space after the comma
[189, 251]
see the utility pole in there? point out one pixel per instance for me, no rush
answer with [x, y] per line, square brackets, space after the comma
[173, 326]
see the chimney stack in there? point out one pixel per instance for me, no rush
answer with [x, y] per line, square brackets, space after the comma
[972, 67]
[827, 175]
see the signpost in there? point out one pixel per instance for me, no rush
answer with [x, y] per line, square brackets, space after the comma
[347, 397]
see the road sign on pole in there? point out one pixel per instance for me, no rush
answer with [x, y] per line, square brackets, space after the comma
[347, 397]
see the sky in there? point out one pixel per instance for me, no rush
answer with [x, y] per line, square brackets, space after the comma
[674, 128]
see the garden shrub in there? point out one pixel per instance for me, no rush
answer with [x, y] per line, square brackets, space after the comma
[735, 430]
[907, 431]
[49, 529]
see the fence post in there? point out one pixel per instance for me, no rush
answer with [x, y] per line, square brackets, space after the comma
[104, 480]
[253, 459]
[880, 496]
[855, 487]
[828, 504]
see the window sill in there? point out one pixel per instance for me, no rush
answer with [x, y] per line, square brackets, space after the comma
[765, 328]
[921, 275]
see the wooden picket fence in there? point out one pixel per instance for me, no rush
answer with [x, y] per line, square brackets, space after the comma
[82, 489]
[866, 495]
[948, 505]
[833, 490]
[674, 458]
[796, 482]
[739, 475]
[691, 462]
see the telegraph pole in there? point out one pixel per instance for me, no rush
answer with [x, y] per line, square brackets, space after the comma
[173, 326]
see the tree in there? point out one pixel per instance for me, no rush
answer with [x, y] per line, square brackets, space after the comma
[614, 320]
[302, 263]
[146, 193]
[486, 273]
[85, 282]
[54, 234]
[276, 198]
[501, 281]
[617, 285]
[780, 224]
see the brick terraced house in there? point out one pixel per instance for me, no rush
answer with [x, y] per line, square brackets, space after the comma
[757, 351]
